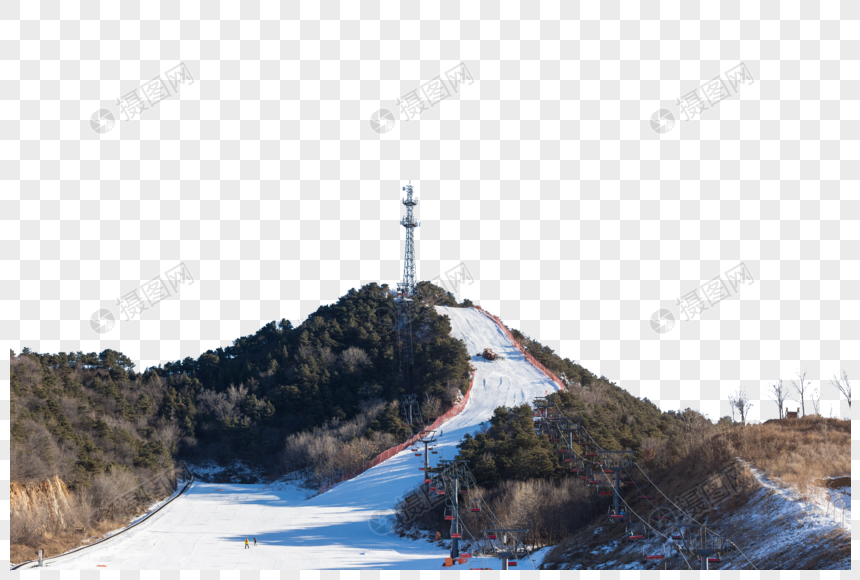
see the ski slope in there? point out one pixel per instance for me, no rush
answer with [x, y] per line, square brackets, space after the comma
[206, 528]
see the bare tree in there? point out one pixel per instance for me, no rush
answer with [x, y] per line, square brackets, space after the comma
[816, 401]
[801, 389]
[691, 419]
[355, 356]
[740, 401]
[779, 393]
[843, 386]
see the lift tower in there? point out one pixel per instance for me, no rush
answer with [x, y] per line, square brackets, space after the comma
[429, 439]
[412, 412]
[407, 287]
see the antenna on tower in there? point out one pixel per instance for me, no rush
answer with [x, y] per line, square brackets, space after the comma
[407, 287]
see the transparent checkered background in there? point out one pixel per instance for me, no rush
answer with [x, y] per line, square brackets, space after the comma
[574, 218]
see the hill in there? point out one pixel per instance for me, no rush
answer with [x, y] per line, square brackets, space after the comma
[323, 397]
[776, 501]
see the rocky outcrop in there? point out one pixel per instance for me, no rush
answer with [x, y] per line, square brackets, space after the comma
[51, 494]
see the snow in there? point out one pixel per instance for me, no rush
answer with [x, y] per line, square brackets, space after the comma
[207, 526]
[777, 528]
[816, 511]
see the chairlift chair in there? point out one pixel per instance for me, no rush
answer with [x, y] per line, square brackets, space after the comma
[615, 518]
[605, 489]
[644, 493]
[449, 513]
[635, 532]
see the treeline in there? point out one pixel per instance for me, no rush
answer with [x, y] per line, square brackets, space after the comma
[516, 467]
[322, 397]
[78, 415]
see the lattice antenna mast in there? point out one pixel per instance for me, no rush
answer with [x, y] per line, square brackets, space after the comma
[407, 287]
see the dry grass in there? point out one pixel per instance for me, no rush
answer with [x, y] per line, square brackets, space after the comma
[796, 451]
[58, 542]
[52, 518]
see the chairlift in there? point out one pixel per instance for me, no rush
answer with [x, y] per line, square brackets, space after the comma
[635, 532]
[614, 518]
[449, 513]
[427, 481]
[456, 535]
[491, 536]
[434, 452]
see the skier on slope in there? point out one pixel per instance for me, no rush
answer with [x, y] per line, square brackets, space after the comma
[246, 544]
[255, 542]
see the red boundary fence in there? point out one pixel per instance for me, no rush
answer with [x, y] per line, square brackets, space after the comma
[452, 412]
[529, 357]
[388, 454]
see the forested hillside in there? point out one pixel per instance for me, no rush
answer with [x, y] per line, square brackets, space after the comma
[323, 396]
[76, 414]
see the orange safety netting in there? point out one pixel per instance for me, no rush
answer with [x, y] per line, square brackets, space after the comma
[388, 454]
[452, 412]
[529, 357]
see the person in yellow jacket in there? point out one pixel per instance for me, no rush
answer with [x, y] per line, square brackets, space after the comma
[246, 544]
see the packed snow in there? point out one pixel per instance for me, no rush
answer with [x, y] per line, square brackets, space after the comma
[206, 527]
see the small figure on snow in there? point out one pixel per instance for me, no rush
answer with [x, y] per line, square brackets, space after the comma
[255, 542]
[246, 544]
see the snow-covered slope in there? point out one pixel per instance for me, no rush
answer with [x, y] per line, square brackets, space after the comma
[206, 528]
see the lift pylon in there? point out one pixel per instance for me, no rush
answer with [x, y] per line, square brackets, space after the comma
[412, 412]
[507, 545]
[707, 541]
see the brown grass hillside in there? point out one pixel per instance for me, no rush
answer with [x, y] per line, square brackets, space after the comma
[792, 453]
[795, 451]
